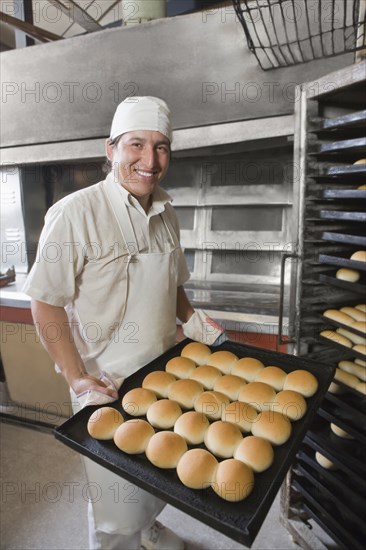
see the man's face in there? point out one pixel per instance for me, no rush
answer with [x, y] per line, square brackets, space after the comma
[141, 159]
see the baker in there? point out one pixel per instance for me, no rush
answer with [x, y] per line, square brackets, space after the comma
[106, 288]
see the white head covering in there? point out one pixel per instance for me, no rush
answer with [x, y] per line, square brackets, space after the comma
[141, 113]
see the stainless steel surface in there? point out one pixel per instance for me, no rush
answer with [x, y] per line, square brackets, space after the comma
[212, 79]
[12, 295]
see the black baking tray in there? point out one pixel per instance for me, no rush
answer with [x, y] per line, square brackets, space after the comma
[346, 352]
[359, 287]
[344, 238]
[342, 262]
[353, 194]
[335, 323]
[346, 215]
[240, 521]
[343, 419]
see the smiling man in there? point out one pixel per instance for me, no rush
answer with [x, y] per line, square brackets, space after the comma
[112, 296]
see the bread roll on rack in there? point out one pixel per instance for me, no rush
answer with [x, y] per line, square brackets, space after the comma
[352, 337]
[354, 312]
[336, 338]
[347, 274]
[339, 316]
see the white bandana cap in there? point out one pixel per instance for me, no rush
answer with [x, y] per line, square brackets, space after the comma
[141, 113]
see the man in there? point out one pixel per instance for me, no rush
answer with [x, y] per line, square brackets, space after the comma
[106, 289]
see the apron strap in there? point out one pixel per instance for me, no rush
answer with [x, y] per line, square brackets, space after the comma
[120, 210]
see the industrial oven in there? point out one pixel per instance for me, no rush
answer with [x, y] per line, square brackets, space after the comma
[330, 143]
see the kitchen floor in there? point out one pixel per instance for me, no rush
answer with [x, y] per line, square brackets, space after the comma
[44, 506]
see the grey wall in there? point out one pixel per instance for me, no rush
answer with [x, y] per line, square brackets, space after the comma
[199, 63]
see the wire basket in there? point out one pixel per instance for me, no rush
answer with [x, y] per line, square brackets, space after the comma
[281, 33]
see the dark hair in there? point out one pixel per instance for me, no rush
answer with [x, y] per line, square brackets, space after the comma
[107, 166]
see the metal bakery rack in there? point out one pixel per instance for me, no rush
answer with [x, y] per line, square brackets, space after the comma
[331, 137]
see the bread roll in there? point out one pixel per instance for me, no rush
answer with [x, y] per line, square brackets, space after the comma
[291, 404]
[335, 389]
[197, 352]
[163, 414]
[222, 438]
[180, 367]
[258, 394]
[196, 469]
[222, 360]
[359, 325]
[103, 423]
[346, 378]
[353, 368]
[362, 187]
[346, 274]
[273, 376]
[165, 449]
[233, 480]
[360, 362]
[339, 432]
[361, 387]
[337, 338]
[137, 401]
[354, 338]
[159, 382]
[324, 461]
[206, 375]
[229, 385]
[272, 426]
[133, 436]
[301, 381]
[256, 452]
[361, 161]
[211, 403]
[185, 392]
[360, 348]
[361, 307]
[354, 312]
[192, 426]
[247, 368]
[339, 316]
[241, 414]
[359, 256]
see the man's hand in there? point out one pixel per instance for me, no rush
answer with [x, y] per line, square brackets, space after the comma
[87, 382]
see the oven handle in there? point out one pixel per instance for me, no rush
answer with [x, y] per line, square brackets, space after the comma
[285, 256]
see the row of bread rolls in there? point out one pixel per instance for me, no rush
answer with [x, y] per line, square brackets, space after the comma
[352, 275]
[361, 161]
[324, 461]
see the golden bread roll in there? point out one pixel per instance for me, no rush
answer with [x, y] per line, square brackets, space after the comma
[362, 187]
[324, 461]
[291, 404]
[192, 425]
[258, 394]
[233, 480]
[339, 432]
[247, 368]
[159, 382]
[360, 348]
[165, 449]
[241, 414]
[346, 378]
[354, 312]
[361, 307]
[335, 389]
[133, 436]
[353, 368]
[273, 376]
[359, 256]
[185, 392]
[339, 316]
[103, 423]
[346, 274]
[359, 325]
[354, 338]
[229, 385]
[222, 438]
[360, 161]
[301, 381]
[211, 403]
[163, 414]
[196, 469]
[256, 452]
[197, 352]
[180, 367]
[137, 401]
[272, 426]
[206, 375]
[361, 387]
[222, 360]
[360, 362]
[336, 338]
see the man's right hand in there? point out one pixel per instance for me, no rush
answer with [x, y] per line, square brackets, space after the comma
[87, 382]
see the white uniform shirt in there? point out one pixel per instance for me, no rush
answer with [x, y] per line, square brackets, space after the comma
[81, 262]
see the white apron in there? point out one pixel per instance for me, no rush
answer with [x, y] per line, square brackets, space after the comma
[146, 331]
